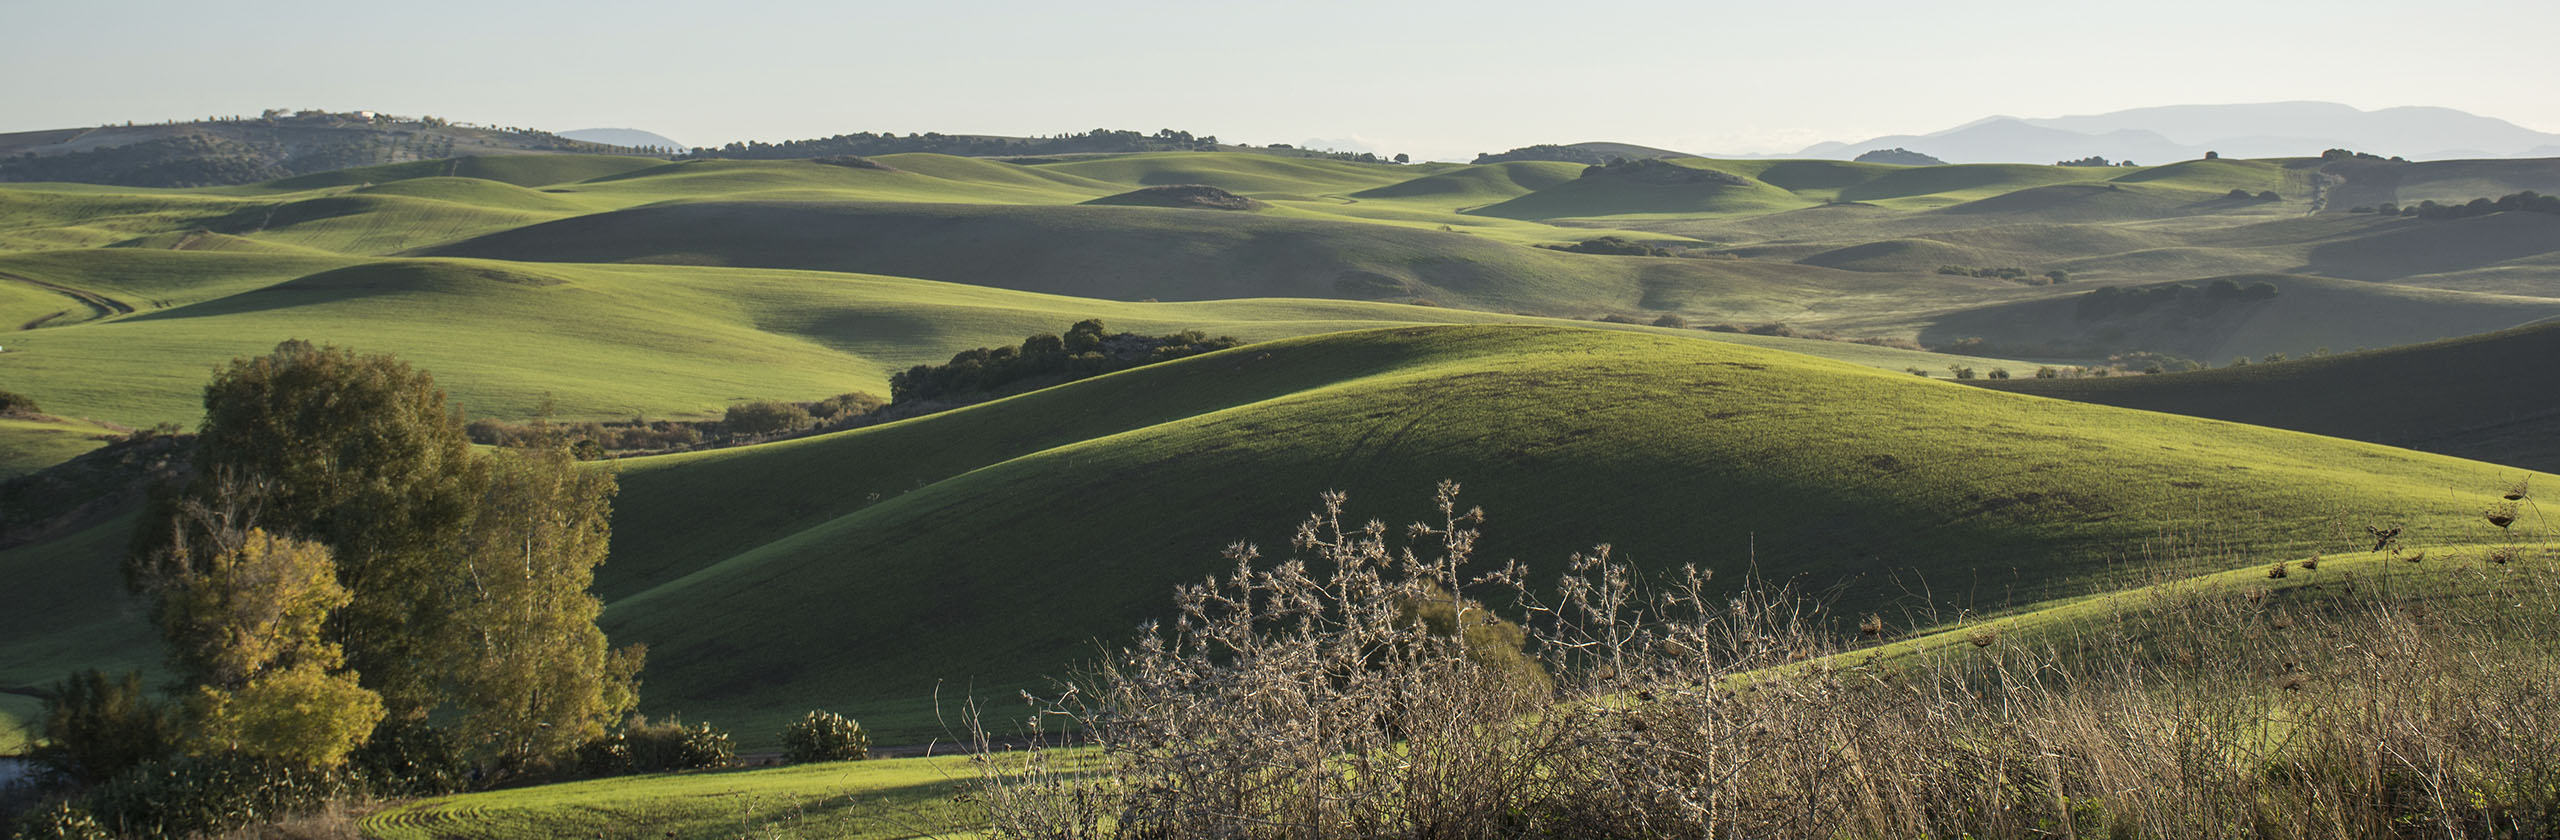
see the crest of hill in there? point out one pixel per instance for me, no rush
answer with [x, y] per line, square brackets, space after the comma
[1181, 196]
[520, 170]
[247, 150]
[1646, 187]
[1585, 153]
[1602, 437]
[1480, 183]
[2490, 397]
[1899, 156]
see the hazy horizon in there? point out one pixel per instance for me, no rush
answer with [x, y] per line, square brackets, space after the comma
[1438, 80]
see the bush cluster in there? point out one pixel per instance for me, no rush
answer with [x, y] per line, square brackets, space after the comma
[825, 736]
[760, 418]
[2523, 202]
[2237, 194]
[644, 747]
[14, 404]
[966, 145]
[1088, 349]
[2010, 273]
[2116, 301]
[1613, 246]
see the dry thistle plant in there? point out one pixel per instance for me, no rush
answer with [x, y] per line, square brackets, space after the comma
[1319, 697]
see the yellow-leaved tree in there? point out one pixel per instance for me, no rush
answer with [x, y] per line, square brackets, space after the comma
[248, 622]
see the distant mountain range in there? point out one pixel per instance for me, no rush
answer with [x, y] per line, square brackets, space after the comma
[2184, 132]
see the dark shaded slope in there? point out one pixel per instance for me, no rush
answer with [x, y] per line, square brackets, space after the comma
[2493, 397]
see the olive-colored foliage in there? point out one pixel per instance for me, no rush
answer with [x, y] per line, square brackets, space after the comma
[302, 715]
[247, 625]
[533, 677]
[263, 602]
[96, 727]
[825, 736]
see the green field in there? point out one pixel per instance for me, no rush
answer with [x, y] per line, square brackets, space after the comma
[1404, 328]
[884, 799]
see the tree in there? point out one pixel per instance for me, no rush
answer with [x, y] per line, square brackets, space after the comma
[463, 577]
[356, 452]
[246, 625]
[535, 678]
[1403, 158]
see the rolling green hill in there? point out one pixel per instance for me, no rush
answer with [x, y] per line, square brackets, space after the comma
[2309, 314]
[2488, 397]
[1033, 525]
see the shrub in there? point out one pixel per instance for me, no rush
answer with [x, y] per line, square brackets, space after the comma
[765, 417]
[1619, 319]
[13, 403]
[1999, 373]
[59, 822]
[2269, 195]
[97, 728]
[1672, 320]
[209, 794]
[644, 747]
[846, 405]
[408, 757]
[1961, 371]
[825, 736]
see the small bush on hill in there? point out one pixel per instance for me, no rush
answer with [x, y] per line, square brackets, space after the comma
[13, 404]
[765, 417]
[1673, 320]
[644, 747]
[1612, 246]
[825, 736]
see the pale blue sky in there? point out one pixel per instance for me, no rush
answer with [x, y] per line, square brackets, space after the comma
[1435, 79]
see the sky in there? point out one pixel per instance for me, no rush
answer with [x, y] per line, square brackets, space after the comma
[1437, 80]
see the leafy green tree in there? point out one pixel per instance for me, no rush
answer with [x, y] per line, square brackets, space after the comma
[464, 578]
[356, 452]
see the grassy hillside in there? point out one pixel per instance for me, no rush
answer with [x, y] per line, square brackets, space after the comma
[1039, 523]
[886, 799]
[2489, 397]
[939, 548]
[2307, 315]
